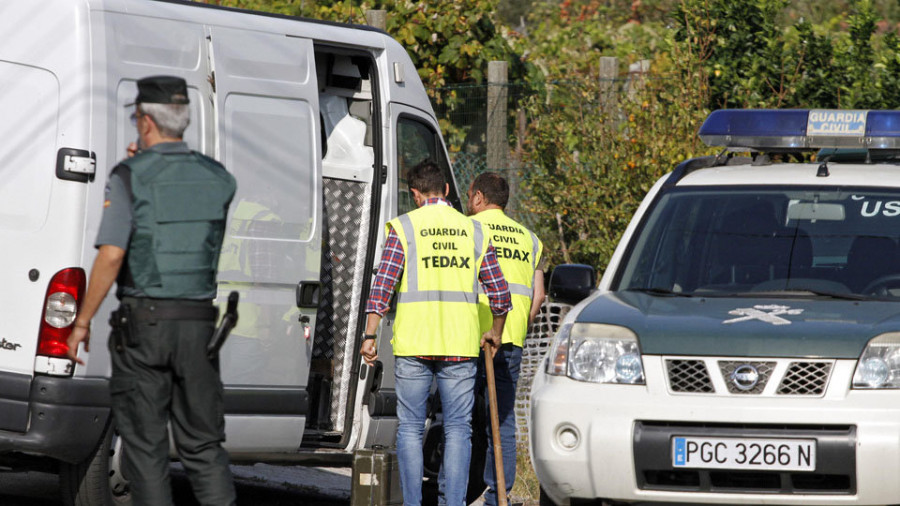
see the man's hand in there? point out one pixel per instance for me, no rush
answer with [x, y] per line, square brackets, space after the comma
[368, 351]
[491, 338]
[132, 149]
[494, 335]
[81, 333]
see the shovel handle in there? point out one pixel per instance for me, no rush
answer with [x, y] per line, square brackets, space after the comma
[495, 424]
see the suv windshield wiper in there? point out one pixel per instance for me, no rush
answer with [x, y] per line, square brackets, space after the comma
[660, 292]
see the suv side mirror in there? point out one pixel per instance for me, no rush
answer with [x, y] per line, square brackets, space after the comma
[572, 283]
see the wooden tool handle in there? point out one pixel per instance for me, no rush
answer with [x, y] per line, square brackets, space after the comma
[495, 424]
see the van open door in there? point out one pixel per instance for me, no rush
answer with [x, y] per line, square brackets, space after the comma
[267, 127]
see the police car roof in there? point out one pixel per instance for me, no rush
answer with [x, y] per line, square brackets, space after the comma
[802, 129]
[839, 174]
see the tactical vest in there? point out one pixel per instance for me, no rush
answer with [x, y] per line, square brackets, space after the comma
[179, 205]
[518, 252]
[437, 301]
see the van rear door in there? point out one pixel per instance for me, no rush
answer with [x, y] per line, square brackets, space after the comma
[28, 154]
[43, 67]
[267, 123]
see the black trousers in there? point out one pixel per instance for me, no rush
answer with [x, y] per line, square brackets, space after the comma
[165, 376]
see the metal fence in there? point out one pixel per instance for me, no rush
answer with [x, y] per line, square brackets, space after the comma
[463, 113]
[538, 341]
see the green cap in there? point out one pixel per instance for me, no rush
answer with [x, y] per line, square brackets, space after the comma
[161, 90]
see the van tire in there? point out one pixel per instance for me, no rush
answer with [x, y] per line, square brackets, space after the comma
[89, 483]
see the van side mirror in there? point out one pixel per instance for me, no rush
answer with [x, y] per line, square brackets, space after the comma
[572, 283]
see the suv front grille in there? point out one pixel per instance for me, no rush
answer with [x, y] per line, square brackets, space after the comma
[689, 376]
[763, 369]
[774, 377]
[805, 378]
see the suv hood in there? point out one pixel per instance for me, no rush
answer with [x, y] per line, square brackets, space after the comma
[745, 326]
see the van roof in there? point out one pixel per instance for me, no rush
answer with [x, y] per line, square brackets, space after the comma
[273, 15]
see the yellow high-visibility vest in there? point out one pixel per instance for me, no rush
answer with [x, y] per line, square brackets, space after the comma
[437, 301]
[518, 253]
[234, 261]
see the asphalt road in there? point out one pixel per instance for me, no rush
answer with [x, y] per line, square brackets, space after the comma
[256, 486]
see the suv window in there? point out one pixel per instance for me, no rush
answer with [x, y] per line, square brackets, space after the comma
[717, 240]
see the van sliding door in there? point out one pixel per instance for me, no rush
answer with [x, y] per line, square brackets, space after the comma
[266, 123]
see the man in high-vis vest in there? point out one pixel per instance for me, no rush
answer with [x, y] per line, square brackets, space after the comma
[519, 252]
[436, 257]
[160, 237]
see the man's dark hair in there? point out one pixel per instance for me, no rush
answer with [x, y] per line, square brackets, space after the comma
[426, 177]
[494, 188]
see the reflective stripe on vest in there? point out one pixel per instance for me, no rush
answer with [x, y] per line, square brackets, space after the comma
[518, 251]
[437, 304]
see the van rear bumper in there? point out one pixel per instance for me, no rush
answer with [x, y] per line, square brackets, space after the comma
[66, 416]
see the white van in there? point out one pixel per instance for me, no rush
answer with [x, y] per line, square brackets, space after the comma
[316, 120]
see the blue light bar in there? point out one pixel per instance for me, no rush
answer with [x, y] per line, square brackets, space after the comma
[801, 129]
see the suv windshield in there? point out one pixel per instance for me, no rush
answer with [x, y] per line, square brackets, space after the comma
[729, 241]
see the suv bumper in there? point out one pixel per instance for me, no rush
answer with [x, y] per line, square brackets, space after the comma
[66, 417]
[622, 429]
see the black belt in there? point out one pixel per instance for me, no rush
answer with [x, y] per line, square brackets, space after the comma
[154, 312]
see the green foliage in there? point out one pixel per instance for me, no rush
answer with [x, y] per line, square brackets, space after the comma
[592, 161]
[739, 44]
[751, 60]
[595, 147]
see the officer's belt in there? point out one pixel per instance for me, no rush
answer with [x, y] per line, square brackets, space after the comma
[175, 312]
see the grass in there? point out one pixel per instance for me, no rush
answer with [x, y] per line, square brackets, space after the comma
[526, 489]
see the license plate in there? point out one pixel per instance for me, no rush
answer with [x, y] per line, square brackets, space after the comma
[744, 453]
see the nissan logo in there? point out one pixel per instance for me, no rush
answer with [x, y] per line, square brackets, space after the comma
[745, 377]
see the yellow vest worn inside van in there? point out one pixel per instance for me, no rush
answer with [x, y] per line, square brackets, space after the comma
[437, 301]
[518, 252]
[235, 261]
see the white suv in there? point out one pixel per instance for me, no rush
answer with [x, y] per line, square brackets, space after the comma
[743, 346]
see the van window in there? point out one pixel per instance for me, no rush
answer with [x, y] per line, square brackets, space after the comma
[28, 149]
[417, 142]
[274, 210]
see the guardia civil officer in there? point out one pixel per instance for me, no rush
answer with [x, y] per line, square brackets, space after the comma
[435, 257]
[519, 253]
[162, 228]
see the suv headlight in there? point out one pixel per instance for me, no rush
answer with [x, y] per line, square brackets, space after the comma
[597, 353]
[879, 364]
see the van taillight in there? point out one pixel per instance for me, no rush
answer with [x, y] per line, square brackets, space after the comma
[64, 296]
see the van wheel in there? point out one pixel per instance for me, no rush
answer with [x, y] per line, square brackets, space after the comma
[98, 481]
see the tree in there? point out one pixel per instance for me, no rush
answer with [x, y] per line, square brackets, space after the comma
[591, 162]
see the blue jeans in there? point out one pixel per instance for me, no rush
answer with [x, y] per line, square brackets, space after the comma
[456, 387]
[507, 363]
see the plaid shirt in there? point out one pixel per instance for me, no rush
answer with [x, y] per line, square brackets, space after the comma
[391, 269]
